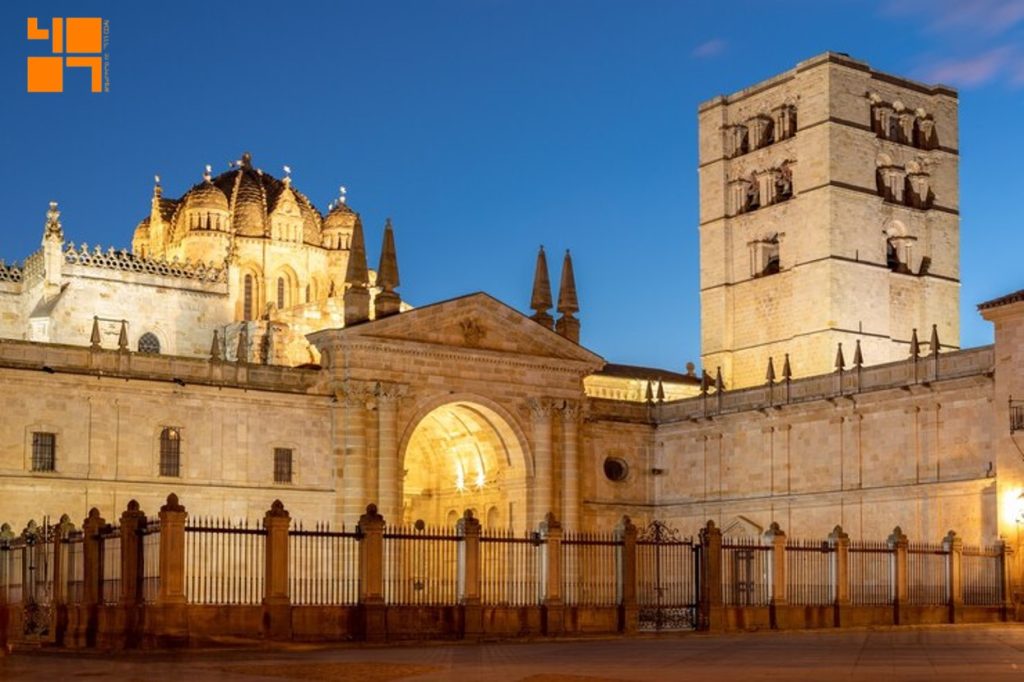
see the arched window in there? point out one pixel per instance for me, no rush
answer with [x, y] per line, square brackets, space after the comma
[280, 292]
[149, 343]
[247, 298]
[170, 452]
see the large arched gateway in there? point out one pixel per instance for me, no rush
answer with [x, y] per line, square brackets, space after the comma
[463, 455]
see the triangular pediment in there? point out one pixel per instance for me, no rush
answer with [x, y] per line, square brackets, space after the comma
[476, 322]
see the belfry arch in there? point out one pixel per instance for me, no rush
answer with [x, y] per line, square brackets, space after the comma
[465, 453]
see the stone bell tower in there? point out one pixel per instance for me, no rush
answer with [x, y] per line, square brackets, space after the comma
[828, 214]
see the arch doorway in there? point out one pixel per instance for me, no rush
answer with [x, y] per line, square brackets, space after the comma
[464, 455]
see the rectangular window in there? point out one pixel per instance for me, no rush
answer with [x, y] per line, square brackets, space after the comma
[170, 452]
[282, 465]
[44, 451]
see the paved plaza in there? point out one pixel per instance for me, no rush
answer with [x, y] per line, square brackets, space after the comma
[991, 652]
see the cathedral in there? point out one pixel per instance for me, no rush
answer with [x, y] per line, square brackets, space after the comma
[243, 350]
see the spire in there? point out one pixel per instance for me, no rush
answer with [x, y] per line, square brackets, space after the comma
[122, 338]
[215, 346]
[540, 300]
[356, 297]
[719, 384]
[242, 354]
[840, 360]
[787, 372]
[157, 190]
[933, 344]
[568, 326]
[770, 374]
[94, 338]
[387, 302]
[649, 396]
[915, 345]
[858, 358]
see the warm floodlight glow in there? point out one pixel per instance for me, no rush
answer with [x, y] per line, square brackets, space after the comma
[1018, 515]
[460, 477]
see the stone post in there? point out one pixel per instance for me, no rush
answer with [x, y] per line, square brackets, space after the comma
[371, 574]
[898, 543]
[92, 576]
[776, 539]
[553, 606]
[6, 537]
[1006, 573]
[170, 624]
[712, 612]
[59, 591]
[570, 466]
[541, 502]
[840, 542]
[629, 612]
[469, 575]
[277, 613]
[954, 545]
[133, 522]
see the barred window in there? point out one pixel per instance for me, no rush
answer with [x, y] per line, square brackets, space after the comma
[280, 292]
[148, 343]
[44, 451]
[170, 452]
[247, 298]
[282, 465]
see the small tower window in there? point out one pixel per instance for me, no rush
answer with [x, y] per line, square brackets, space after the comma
[282, 465]
[149, 343]
[170, 452]
[247, 298]
[280, 292]
[764, 257]
[44, 451]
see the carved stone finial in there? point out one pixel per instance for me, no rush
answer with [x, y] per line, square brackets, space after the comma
[915, 345]
[787, 372]
[551, 522]
[540, 298]
[649, 395]
[840, 359]
[858, 357]
[660, 396]
[172, 504]
[770, 374]
[53, 227]
[934, 342]
[277, 510]
[568, 303]
[122, 337]
[94, 337]
[215, 346]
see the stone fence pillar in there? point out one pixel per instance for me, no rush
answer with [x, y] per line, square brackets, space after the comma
[6, 536]
[840, 542]
[898, 544]
[1006, 574]
[277, 615]
[775, 538]
[553, 611]
[954, 545]
[371, 574]
[711, 608]
[170, 620]
[92, 574]
[628, 610]
[469, 575]
[133, 522]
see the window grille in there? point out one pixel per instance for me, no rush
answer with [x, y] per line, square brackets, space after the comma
[247, 298]
[44, 451]
[280, 292]
[282, 465]
[149, 343]
[170, 452]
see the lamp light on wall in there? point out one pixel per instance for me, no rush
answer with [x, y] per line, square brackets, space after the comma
[1018, 515]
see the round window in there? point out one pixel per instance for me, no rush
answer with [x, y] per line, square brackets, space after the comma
[615, 469]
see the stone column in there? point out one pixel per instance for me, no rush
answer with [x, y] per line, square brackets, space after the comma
[840, 542]
[389, 494]
[776, 539]
[898, 543]
[553, 607]
[628, 610]
[469, 576]
[570, 466]
[92, 574]
[1006, 573]
[277, 616]
[541, 502]
[353, 481]
[133, 521]
[954, 545]
[371, 574]
[711, 609]
[60, 579]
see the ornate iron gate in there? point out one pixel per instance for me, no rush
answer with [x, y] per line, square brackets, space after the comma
[668, 575]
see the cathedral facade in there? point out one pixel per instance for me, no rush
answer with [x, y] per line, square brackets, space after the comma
[243, 351]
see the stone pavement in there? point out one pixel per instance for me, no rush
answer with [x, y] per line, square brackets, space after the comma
[989, 652]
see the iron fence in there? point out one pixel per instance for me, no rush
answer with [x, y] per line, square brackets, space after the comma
[809, 572]
[510, 568]
[74, 566]
[421, 565]
[745, 574]
[12, 570]
[870, 573]
[927, 574]
[150, 538]
[224, 562]
[667, 579]
[982, 575]
[589, 569]
[110, 564]
[323, 565]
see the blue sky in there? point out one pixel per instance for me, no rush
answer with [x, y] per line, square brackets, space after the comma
[487, 127]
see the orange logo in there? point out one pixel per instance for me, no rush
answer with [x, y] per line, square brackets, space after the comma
[75, 42]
